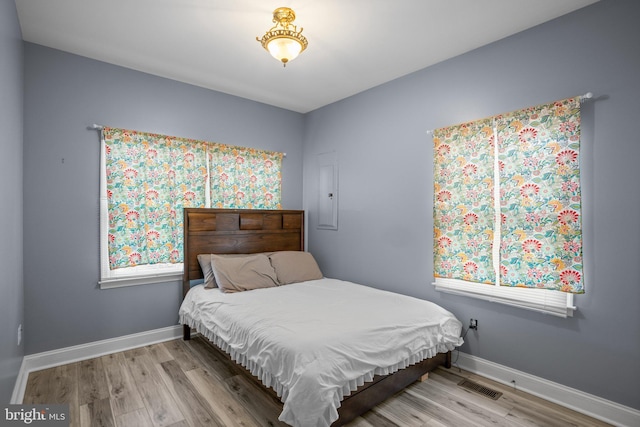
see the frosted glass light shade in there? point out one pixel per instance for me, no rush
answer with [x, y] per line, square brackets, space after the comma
[284, 49]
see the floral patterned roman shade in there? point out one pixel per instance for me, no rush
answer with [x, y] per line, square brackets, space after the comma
[541, 244]
[463, 205]
[535, 240]
[245, 178]
[150, 178]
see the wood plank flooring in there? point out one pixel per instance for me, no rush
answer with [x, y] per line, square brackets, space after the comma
[190, 383]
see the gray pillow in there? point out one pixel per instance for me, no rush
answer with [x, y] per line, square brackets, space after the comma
[205, 265]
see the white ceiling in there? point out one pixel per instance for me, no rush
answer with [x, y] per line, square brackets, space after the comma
[353, 44]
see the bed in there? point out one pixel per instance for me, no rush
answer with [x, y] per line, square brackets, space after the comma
[330, 349]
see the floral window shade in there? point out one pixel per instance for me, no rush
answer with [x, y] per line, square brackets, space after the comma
[245, 178]
[150, 178]
[463, 202]
[541, 242]
[535, 241]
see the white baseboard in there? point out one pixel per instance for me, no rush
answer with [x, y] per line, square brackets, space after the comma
[20, 386]
[49, 359]
[588, 404]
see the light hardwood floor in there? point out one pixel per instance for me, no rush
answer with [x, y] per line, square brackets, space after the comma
[190, 383]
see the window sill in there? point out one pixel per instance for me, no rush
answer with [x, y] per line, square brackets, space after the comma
[139, 280]
[548, 302]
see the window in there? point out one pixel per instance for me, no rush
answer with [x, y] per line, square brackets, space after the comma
[147, 180]
[507, 208]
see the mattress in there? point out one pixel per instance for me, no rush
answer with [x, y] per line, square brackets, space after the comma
[315, 342]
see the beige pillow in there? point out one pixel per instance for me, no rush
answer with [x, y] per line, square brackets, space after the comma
[205, 265]
[237, 274]
[294, 266]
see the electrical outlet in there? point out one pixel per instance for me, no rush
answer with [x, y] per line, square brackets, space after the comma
[473, 324]
[19, 334]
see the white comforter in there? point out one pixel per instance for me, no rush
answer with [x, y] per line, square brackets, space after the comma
[314, 342]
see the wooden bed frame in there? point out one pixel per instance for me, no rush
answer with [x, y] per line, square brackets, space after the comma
[236, 231]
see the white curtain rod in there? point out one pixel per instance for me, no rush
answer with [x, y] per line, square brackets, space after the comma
[100, 127]
[583, 98]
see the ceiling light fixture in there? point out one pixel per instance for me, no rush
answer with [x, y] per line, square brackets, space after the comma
[283, 41]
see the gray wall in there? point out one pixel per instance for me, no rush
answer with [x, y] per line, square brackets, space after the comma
[594, 49]
[11, 116]
[386, 190]
[64, 94]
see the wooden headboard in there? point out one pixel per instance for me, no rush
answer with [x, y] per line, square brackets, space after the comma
[237, 231]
